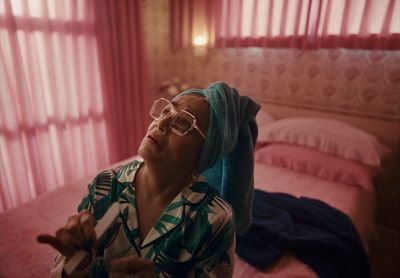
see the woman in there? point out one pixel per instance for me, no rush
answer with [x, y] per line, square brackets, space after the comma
[171, 223]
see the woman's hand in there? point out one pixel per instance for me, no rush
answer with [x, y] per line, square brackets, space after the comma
[132, 266]
[77, 234]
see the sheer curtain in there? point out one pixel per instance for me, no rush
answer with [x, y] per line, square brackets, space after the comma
[366, 24]
[57, 99]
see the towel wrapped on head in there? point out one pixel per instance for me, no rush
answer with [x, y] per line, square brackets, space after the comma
[227, 161]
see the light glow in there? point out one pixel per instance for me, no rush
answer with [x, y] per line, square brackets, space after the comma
[200, 40]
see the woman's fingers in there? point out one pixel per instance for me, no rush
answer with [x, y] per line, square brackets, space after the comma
[65, 236]
[56, 244]
[74, 227]
[117, 275]
[131, 265]
[88, 222]
[139, 274]
[77, 234]
[127, 264]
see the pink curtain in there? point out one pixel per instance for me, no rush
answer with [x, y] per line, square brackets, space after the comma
[119, 29]
[365, 24]
[72, 92]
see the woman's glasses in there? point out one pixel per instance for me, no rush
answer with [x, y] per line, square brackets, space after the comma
[182, 121]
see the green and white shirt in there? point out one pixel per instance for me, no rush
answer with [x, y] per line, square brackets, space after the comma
[193, 237]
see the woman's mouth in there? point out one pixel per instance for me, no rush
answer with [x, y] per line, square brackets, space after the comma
[154, 141]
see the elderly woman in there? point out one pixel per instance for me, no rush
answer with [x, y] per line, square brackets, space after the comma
[175, 207]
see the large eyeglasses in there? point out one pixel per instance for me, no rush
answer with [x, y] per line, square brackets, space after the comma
[182, 121]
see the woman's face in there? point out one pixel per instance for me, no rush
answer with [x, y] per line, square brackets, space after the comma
[162, 146]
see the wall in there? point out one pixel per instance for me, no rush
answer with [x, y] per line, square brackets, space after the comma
[358, 82]
[361, 82]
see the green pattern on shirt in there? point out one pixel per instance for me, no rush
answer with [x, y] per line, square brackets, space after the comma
[193, 236]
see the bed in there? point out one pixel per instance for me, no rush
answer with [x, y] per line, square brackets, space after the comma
[22, 256]
[297, 163]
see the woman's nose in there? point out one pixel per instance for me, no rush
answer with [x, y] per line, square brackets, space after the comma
[164, 123]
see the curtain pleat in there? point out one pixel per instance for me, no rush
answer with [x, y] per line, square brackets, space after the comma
[119, 29]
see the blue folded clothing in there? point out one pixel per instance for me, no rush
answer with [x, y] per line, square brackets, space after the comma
[320, 236]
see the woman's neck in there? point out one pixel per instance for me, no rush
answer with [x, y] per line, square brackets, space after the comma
[159, 184]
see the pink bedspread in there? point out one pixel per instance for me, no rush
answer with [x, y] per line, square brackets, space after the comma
[22, 256]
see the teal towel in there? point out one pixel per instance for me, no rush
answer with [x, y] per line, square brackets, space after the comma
[227, 161]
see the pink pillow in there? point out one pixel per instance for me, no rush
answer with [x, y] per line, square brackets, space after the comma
[315, 163]
[328, 136]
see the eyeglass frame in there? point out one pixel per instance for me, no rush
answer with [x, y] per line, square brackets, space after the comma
[173, 113]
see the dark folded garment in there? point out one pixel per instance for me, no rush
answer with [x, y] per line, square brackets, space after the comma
[320, 236]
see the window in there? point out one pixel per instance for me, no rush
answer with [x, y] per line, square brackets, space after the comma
[51, 102]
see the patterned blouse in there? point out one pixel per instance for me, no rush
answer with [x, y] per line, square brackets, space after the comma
[193, 237]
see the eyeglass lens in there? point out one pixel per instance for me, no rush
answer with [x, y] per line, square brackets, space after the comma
[181, 122]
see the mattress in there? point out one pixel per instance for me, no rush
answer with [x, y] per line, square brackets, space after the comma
[22, 256]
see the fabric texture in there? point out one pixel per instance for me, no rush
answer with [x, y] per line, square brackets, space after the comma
[194, 235]
[316, 163]
[226, 160]
[329, 136]
[319, 235]
[124, 75]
